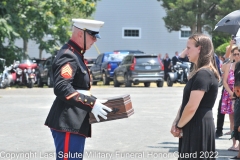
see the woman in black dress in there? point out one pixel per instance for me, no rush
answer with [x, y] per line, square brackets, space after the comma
[194, 123]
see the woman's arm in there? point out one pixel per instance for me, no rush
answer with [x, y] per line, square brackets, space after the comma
[183, 54]
[191, 107]
[225, 79]
[175, 131]
[177, 117]
[228, 50]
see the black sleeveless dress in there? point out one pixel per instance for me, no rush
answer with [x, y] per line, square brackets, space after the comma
[198, 141]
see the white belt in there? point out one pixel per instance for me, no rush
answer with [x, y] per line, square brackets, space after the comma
[85, 92]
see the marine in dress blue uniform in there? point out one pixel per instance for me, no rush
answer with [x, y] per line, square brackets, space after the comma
[68, 118]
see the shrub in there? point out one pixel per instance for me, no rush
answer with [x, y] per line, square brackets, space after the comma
[221, 50]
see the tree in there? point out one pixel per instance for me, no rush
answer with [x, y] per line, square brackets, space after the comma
[199, 15]
[7, 35]
[221, 50]
[59, 15]
[219, 38]
[57, 19]
[35, 19]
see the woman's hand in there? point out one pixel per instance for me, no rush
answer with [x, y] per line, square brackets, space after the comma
[238, 128]
[232, 42]
[181, 133]
[231, 95]
[175, 131]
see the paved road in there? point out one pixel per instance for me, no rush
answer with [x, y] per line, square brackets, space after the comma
[145, 135]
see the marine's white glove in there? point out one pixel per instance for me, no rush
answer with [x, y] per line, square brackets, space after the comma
[98, 109]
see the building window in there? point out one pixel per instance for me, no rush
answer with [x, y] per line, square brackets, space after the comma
[185, 34]
[131, 33]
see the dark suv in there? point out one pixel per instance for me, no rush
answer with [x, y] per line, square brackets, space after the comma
[44, 75]
[139, 68]
[103, 68]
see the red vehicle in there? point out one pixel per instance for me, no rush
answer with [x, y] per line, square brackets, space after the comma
[25, 72]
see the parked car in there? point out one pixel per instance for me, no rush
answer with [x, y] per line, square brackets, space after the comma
[130, 51]
[103, 68]
[139, 68]
[44, 71]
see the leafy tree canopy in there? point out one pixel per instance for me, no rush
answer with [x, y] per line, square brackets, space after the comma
[198, 15]
[38, 19]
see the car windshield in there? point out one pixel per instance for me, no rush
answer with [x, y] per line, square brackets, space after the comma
[147, 61]
[115, 56]
[26, 61]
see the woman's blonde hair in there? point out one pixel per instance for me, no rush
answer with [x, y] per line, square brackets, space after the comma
[206, 57]
[234, 47]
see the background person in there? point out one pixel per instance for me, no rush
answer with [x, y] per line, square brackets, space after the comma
[221, 60]
[175, 59]
[236, 134]
[227, 98]
[220, 116]
[160, 57]
[195, 117]
[227, 58]
[68, 118]
[167, 65]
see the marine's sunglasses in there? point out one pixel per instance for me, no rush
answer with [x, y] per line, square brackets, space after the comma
[91, 33]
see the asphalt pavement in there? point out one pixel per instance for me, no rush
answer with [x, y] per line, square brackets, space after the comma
[143, 136]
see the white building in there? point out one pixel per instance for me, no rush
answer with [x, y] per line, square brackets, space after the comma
[131, 24]
[136, 24]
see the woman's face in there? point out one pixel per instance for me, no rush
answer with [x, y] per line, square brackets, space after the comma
[237, 91]
[236, 55]
[192, 51]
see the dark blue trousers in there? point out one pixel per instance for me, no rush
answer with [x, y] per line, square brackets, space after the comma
[68, 146]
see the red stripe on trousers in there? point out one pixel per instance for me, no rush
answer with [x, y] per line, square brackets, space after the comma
[66, 145]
